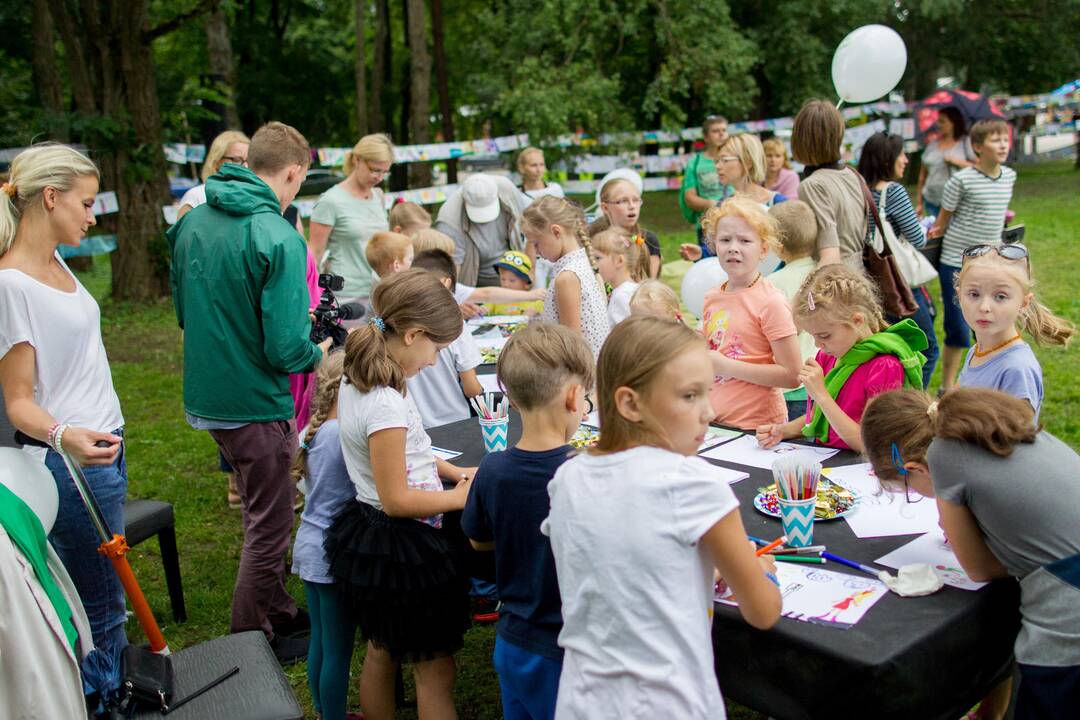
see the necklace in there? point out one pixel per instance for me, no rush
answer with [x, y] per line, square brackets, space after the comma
[983, 353]
[723, 288]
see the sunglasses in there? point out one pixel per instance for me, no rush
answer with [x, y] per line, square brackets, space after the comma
[1009, 251]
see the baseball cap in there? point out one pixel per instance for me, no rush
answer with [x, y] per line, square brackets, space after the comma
[481, 196]
[517, 263]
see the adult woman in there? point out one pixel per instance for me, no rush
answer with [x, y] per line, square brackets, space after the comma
[531, 167]
[229, 146]
[348, 214]
[832, 192]
[741, 166]
[55, 376]
[882, 164]
[941, 158]
[701, 186]
[778, 173]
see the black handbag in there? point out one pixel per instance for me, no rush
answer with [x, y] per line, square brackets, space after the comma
[149, 682]
[896, 296]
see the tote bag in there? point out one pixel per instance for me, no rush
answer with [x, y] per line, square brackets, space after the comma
[911, 263]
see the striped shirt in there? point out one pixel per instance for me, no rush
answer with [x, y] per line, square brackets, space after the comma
[978, 204]
[900, 214]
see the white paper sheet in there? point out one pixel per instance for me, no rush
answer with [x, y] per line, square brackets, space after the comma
[444, 454]
[931, 549]
[497, 320]
[881, 513]
[715, 436]
[495, 343]
[490, 382]
[746, 451]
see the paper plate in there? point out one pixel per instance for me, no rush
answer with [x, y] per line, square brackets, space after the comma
[765, 498]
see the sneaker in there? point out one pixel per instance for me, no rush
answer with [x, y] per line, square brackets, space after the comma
[289, 650]
[233, 495]
[485, 610]
[297, 626]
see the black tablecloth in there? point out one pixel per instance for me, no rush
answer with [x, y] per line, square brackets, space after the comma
[930, 657]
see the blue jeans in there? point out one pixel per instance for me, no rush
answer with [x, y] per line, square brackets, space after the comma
[924, 318]
[957, 331]
[76, 542]
[528, 683]
[706, 251]
[333, 633]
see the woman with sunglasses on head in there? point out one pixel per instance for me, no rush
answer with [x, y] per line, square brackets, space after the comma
[1008, 497]
[230, 146]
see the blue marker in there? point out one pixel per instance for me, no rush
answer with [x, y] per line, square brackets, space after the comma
[850, 563]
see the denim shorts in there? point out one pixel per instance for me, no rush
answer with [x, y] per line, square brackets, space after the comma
[957, 331]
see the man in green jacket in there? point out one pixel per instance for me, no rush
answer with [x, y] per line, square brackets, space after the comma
[238, 285]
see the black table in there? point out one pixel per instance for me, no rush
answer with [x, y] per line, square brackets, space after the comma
[924, 658]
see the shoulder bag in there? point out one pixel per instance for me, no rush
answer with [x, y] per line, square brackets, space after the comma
[896, 296]
[913, 265]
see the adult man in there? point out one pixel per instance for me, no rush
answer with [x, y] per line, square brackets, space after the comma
[241, 298]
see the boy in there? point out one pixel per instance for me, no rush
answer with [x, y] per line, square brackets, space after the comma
[546, 370]
[973, 207]
[436, 389]
[798, 238]
[515, 273]
[388, 253]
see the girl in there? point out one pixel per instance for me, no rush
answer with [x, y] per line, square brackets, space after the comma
[746, 322]
[657, 299]
[1008, 499]
[858, 358]
[408, 218]
[994, 287]
[321, 462]
[531, 167]
[556, 228]
[623, 262]
[637, 527]
[778, 173]
[402, 576]
[620, 203]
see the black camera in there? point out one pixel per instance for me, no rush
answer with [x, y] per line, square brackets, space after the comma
[329, 314]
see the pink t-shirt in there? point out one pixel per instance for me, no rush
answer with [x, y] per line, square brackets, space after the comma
[302, 385]
[787, 183]
[741, 325]
[879, 375]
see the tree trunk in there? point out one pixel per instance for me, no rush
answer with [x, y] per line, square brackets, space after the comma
[46, 76]
[220, 54]
[361, 70]
[382, 69]
[443, 85]
[419, 86]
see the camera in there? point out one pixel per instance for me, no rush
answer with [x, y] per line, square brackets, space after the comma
[329, 314]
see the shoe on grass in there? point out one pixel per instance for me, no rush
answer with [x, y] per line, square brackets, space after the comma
[297, 626]
[289, 650]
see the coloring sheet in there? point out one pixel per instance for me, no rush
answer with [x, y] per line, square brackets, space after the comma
[495, 343]
[881, 513]
[746, 451]
[932, 550]
[714, 436]
[444, 454]
[497, 320]
[811, 594]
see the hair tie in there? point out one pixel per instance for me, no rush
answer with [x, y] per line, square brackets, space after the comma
[931, 410]
[639, 240]
[10, 189]
[810, 301]
[304, 446]
[379, 323]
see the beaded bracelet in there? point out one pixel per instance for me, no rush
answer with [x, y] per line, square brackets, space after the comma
[775, 580]
[59, 443]
[50, 438]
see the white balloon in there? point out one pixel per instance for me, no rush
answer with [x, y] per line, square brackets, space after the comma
[769, 263]
[868, 63]
[32, 482]
[699, 279]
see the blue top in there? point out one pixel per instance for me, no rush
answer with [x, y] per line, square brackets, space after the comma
[507, 503]
[706, 251]
[1015, 370]
[900, 213]
[329, 490]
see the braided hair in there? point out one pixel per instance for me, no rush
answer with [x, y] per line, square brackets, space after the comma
[836, 292]
[323, 402]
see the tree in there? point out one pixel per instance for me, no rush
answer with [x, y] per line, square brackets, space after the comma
[46, 74]
[446, 111]
[220, 55]
[361, 70]
[419, 86]
[382, 69]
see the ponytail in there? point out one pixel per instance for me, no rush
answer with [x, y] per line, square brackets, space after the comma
[1044, 327]
[327, 383]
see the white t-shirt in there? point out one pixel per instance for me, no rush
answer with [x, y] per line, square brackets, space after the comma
[363, 414]
[436, 390]
[195, 196]
[551, 188]
[73, 382]
[618, 308]
[462, 292]
[636, 588]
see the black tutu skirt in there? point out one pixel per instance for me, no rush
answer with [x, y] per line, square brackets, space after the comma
[404, 581]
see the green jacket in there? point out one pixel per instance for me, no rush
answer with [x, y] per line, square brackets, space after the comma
[239, 289]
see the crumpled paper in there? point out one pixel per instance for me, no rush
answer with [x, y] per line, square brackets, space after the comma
[913, 580]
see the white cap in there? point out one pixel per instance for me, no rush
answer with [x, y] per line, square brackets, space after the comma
[620, 174]
[481, 196]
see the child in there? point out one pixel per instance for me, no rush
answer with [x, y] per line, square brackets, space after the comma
[546, 370]
[388, 253]
[623, 262]
[320, 461]
[859, 357]
[973, 208]
[620, 203]
[515, 273]
[798, 237]
[747, 322]
[408, 218]
[401, 575]
[531, 167]
[440, 391]
[994, 286]
[637, 526]
[657, 299]
[556, 227]
[1008, 500]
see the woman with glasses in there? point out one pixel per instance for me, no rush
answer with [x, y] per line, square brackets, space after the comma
[230, 146]
[701, 186]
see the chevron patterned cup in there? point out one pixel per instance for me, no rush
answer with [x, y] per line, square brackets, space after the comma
[495, 432]
[798, 519]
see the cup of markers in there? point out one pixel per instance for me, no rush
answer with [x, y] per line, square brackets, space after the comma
[494, 421]
[796, 493]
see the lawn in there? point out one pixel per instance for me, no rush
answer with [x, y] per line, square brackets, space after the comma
[169, 461]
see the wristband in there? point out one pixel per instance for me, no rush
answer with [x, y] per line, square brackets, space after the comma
[50, 437]
[772, 577]
[59, 442]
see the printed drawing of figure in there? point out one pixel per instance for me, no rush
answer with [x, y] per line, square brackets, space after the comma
[852, 600]
[716, 326]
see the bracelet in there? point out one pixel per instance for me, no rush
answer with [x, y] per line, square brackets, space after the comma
[775, 580]
[49, 438]
[58, 444]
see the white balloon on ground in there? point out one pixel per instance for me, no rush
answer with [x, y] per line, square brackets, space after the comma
[31, 482]
[699, 279]
[868, 63]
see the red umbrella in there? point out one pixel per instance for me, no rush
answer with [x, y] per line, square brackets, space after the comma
[971, 106]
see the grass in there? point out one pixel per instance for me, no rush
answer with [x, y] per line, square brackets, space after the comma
[169, 461]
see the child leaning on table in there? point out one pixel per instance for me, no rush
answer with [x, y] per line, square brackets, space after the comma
[657, 299]
[637, 527]
[545, 370]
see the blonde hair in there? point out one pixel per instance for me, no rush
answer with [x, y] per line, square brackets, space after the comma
[818, 133]
[603, 222]
[985, 128]
[777, 146]
[383, 249]
[763, 224]
[747, 148]
[616, 241]
[653, 295]
[524, 154]
[1036, 319]
[409, 216]
[215, 156]
[34, 169]
[836, 292]
[567, 214]
[634, 354]
[431, 239]
[798, 228]
[539, 359]
[275, 146]
[327, 383]
[376, 148]
[410, 300]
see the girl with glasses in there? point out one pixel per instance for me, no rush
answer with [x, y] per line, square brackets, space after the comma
[621, 203]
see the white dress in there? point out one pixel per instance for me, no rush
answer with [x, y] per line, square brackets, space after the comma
[595, 324]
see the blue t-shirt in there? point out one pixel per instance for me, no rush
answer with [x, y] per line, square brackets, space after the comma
[329, 490]
[1015, 370]
[506, 505]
